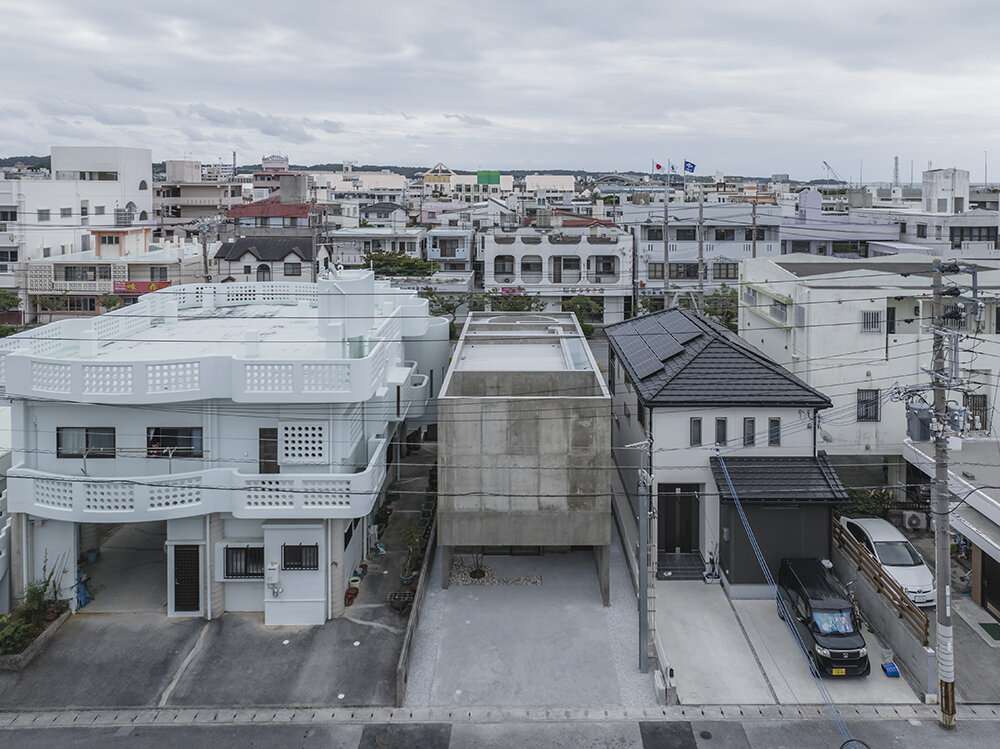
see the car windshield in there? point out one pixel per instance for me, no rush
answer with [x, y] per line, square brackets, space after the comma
[897, 554]
[833, 621]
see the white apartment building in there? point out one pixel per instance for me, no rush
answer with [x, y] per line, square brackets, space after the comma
[441, 182]
[88, 187]
[453, 249]
[247, 425]
[854, 329]
[943, 222]
[487, 214]
[562, 263]
[349, 246]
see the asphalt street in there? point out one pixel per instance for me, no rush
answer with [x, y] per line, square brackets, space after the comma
[780, 734]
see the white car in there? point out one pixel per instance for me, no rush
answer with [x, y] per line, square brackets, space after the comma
[897, 556]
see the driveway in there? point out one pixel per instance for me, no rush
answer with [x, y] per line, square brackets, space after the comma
[712, 660]
[540, 638]
[786, 668]
[104, 660]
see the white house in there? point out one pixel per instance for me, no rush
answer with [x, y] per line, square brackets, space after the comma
[349, 246]
[245, 425]
[186, 197]
[562, 263]
[453, 249]
[265, 258]
[711, 404]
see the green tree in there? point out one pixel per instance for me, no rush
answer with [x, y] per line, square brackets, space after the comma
[445, 305]
[870, 502]
[397, 264]
[723, 307]
[51, 303]
[586, 309]
[110, 301]
[9, 300]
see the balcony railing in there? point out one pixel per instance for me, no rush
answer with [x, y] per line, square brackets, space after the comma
[246, 495]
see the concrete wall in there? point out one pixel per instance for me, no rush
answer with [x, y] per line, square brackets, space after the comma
[555, 447]
[919, 662]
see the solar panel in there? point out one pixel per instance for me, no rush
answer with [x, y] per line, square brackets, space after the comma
[639, 356]
[662, 345]
[682, 329]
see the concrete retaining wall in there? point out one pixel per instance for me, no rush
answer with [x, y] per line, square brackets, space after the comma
[918, 662]
[403, 664]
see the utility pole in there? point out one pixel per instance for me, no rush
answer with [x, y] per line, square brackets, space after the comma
[701, 247]
[753, 231]
[635, 271]
[666, 241]
[939, 507]
[204, 251]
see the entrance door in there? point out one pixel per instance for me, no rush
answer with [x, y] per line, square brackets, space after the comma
[991, 585]
[677, 506]
[187, 579]
[267, 451]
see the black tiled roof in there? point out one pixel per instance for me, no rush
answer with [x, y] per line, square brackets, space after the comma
[789, 479]
[680, 358]
[267, 249]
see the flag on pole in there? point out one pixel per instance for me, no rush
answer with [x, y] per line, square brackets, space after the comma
[659, 166]
[689, 167]
[673, 167]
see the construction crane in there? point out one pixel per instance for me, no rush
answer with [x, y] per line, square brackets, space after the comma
[832, 172]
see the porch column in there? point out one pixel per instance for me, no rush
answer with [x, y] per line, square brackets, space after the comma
[216, 590]
[338, 581]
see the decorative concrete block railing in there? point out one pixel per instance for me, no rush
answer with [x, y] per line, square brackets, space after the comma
[141, 498]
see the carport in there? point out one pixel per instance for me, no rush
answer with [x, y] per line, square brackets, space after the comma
[130, 572]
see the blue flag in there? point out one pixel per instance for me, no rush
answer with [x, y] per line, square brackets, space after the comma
[689, 167]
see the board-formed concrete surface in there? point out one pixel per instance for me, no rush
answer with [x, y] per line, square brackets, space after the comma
[788, 672]
[552, 644]
[713, 662]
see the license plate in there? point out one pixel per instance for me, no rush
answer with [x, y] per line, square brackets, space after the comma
[839, 672]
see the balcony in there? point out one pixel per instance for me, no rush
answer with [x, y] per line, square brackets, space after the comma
[135, 499]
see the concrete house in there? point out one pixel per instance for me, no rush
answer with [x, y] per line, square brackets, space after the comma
[265, 258]
[711, 404]
[524, 440]
[236, 433]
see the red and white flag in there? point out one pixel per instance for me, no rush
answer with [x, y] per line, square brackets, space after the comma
[659, 166]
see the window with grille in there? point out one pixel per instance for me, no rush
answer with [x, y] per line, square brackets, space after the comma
[979, 415]
[871, 321]
[868, 405]
[244, 562]
[300, 556]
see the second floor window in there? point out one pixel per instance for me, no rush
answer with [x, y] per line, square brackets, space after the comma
[177, 442]
[157, 273]
[749, 432]
[720, 432]
[90, 442]
[696, 431]
[868, 405]
[774, 432]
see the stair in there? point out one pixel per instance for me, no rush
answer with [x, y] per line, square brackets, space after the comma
[679, 567]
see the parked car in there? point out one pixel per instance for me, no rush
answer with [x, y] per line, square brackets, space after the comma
[897, 556]
[823, 616]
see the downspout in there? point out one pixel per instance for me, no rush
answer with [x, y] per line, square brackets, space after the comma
[24, 553]
[815, 428]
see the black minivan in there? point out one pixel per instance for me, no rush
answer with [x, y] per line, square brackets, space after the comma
[823, 616]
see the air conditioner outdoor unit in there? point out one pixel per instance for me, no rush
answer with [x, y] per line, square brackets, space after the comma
[915, 521]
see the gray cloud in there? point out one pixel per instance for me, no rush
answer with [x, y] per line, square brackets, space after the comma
[754, 88]
[123, 79]
[470, 119]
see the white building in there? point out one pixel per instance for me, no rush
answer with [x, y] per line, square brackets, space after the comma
[89, 187]
[943, 221]
[854, 329]
[185, 198]
[384, 214]
[453, 249]
[246, 424]
[559, 264]
[442, 183]
[349, 246]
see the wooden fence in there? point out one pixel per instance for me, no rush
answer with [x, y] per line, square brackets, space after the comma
[886, 586]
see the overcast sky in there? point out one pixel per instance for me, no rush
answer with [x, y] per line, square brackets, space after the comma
[739, 87]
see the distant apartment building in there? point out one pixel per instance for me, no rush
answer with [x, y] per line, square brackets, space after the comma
[247, 425]
[88, 187]
[442, 182]
[451, 248]
[943, 223]
[561, 263]
[123, 265]
[349, 246]
[487, 214]
[185, 198]
[384, 214]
